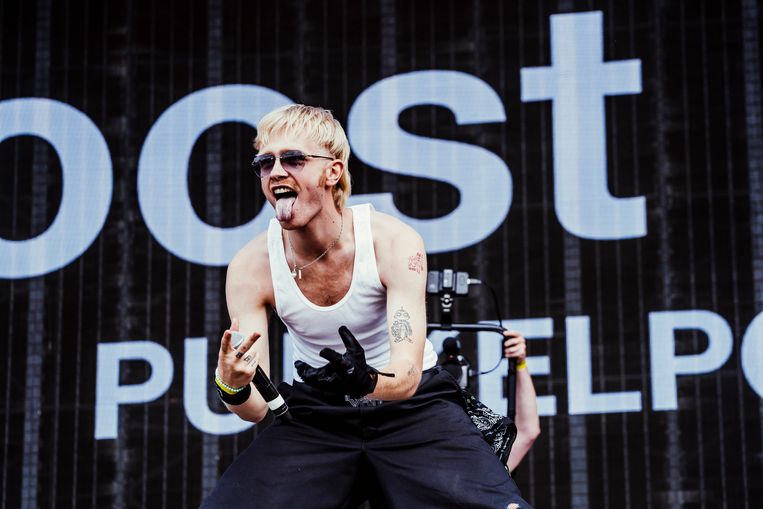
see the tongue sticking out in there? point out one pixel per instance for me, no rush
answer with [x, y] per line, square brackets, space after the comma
[283, 208]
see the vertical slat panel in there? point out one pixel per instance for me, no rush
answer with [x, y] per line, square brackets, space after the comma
[691, 142]
[35, 319]
[754, 139]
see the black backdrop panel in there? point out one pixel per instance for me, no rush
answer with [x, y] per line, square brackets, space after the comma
[613, 198]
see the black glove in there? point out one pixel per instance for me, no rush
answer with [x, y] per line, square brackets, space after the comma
[345, 373]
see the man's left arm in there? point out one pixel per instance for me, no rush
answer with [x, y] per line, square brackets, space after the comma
[403, 270]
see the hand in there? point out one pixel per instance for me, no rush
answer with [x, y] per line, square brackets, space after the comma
[235, 366]
[514, 346]
[345, 373]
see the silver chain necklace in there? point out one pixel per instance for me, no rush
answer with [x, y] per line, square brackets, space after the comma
[297, 271]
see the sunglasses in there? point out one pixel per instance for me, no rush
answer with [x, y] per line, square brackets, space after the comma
[292, 160]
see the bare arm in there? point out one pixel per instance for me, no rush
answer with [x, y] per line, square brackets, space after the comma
[402, 268]
[246, 292]
[526, 419]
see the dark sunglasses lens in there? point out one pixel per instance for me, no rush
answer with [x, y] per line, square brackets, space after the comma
[263, 164]
[293, 160]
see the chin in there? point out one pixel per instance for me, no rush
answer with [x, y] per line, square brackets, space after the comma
[288, 225]
[292, 224]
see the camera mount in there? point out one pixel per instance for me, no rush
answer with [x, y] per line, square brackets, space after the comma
[448, 284]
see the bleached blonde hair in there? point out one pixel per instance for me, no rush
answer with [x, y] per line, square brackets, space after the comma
[319, 125]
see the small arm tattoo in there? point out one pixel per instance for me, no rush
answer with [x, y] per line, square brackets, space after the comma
[416, 263]
[411, 370]
[401, 326]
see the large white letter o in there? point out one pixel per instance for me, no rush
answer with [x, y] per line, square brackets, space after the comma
[86, 189]
[163, 170]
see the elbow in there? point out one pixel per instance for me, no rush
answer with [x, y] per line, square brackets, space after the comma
[529, 432]
[259, 416]
[532, 433]
[414, 386]
[407, 392]
[402, 395]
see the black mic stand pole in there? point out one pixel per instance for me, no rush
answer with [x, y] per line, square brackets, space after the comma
[448, 325]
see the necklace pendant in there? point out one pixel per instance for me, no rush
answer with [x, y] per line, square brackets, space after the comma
[294, 273]
[299, 271]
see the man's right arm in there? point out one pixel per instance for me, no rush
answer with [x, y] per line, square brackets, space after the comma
[247, 289]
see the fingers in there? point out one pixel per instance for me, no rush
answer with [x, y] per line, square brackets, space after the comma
[350, 343]
[514, 345]
[247, 344]
[301, 366]
[225, 345]
[306, 372]
[304, 369]
[516, 351]
[236, 366]
[330, 355]
[512, 338]
[237, 372]
[320, 378]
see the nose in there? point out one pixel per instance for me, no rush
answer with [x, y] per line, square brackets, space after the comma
[278, 170]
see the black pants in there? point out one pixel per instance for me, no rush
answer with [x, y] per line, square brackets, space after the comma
[418, 453]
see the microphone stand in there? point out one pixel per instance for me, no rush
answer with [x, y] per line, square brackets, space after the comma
[446, 303]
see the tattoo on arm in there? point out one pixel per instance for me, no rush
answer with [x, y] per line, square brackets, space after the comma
[401, 326]
[416, 263]
[411, 370]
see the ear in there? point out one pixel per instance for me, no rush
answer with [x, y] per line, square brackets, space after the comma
[334, 173]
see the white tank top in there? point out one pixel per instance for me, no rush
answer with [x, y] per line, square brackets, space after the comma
[363, 309]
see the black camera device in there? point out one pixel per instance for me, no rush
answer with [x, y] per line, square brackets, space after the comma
[447, 281]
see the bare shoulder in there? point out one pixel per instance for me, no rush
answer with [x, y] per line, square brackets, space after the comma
[388, 230]
[248, 282]
[395, 243]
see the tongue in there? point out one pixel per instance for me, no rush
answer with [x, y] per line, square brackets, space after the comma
[283, 208]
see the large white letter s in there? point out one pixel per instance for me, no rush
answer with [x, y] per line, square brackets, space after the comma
[482, 178]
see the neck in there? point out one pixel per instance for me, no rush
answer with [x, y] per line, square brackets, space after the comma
[315, 236]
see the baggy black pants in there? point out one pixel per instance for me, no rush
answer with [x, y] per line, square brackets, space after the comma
[419, 453]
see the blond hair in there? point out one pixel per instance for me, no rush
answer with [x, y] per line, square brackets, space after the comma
[319, 125]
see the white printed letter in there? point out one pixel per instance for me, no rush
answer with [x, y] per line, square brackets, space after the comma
[482, 178]
[666, 364]
[163, 172]
[582, 400]
[577, 82]
[86, 189]
[109, 394]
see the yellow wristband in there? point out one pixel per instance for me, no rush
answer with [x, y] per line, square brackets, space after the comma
[225, 387]
[522, 365]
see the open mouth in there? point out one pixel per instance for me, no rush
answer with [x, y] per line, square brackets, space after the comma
[285, 198]
[284, 192]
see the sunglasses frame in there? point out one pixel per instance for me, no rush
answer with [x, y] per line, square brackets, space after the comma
[271, 158]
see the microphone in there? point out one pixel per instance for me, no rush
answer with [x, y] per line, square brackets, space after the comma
[264, 385]
[451, 346]
[455, 363]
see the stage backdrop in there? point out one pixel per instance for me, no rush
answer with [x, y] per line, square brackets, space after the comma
[599, 164]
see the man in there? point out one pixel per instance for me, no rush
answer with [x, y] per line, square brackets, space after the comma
[379, 410]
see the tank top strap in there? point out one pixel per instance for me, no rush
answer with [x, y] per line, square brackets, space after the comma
[364, 245]
[279, 268]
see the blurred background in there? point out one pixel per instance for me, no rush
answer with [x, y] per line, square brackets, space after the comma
[598, 164]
